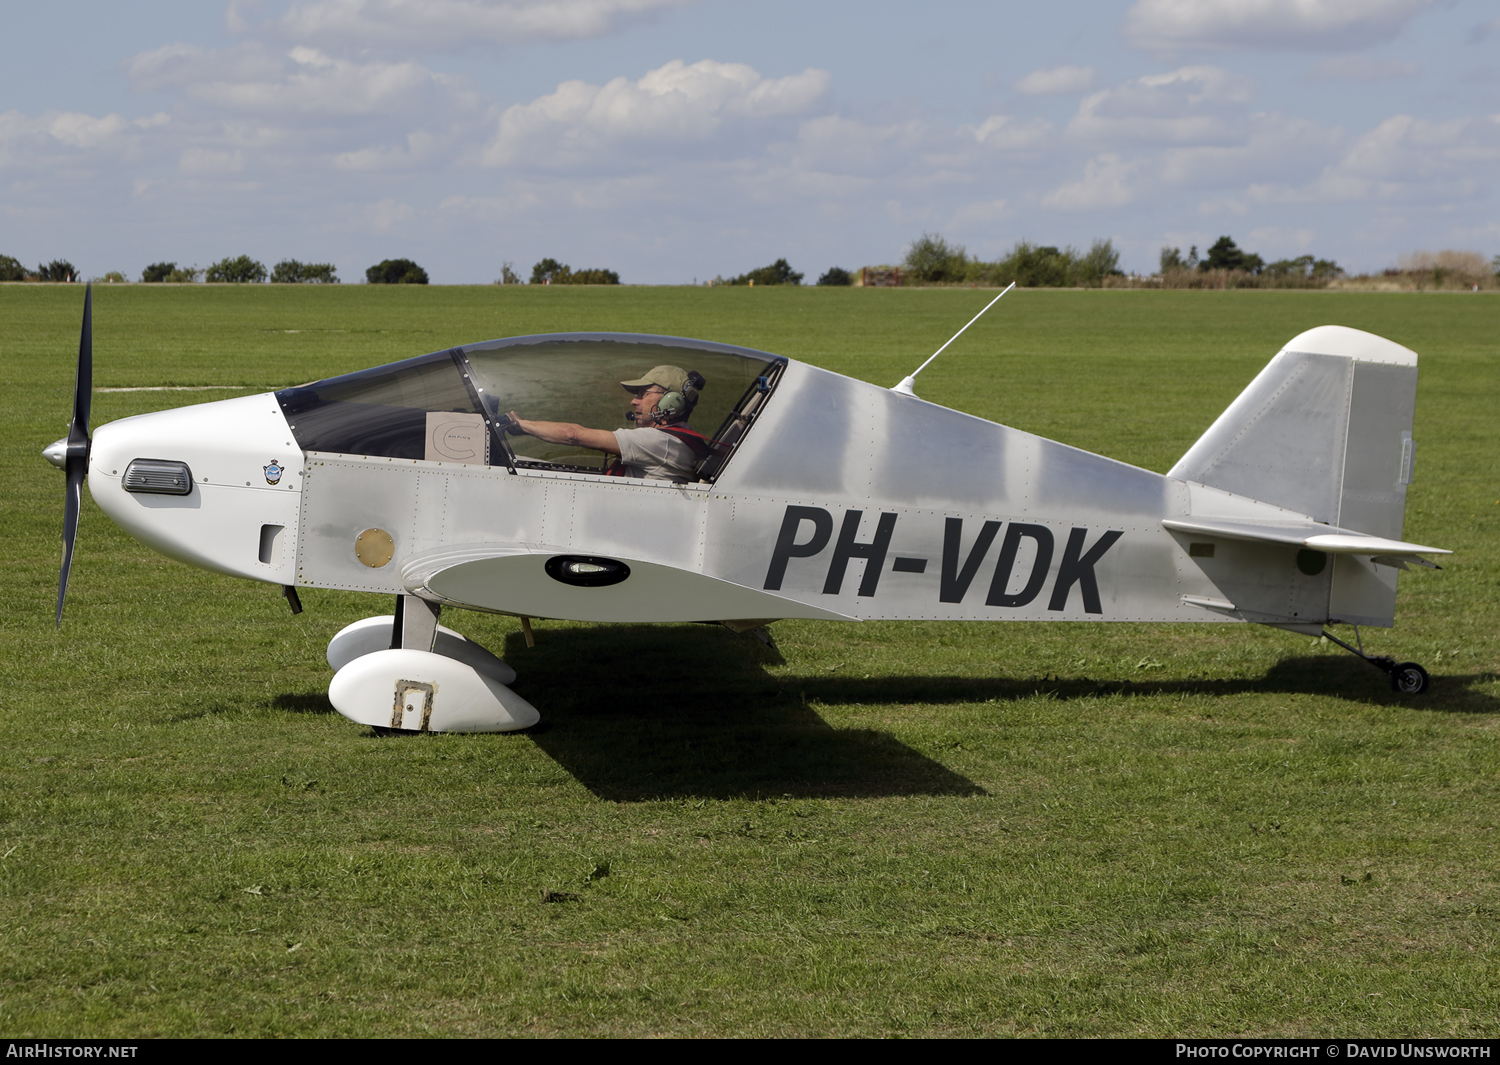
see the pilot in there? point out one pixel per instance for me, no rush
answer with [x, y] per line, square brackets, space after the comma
[661, 447]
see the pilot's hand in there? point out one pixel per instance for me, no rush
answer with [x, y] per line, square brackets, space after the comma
[512, 424]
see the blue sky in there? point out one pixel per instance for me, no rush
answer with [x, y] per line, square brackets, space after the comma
[679, 139]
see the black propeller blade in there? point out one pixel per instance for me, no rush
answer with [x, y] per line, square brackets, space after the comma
[76, 466]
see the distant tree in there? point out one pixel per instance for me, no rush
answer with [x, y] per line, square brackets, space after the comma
[241, 270]
[157, 272]
[778, 273]
[1171, 259]
[185, 275]
[1099, 262]
[550, 272]
[1494, 265]
[508, 275]
[933, 259]
[57, 270]
[396, 272]
[11, 269]
[1304, 267]
[1037, 266]
[1225, 254]
[113, 277]
[836, 275]
[291, 272]
[593, 277]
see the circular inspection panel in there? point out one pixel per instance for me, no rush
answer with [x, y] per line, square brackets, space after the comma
[374, 547]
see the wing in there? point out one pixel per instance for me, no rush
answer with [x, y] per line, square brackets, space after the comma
[535, 581]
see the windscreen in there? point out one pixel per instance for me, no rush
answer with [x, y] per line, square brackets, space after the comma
[385, 411]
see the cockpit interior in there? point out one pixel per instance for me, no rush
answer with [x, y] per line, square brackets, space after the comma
[450, 406]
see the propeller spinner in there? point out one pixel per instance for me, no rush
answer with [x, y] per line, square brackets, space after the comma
[72, 452]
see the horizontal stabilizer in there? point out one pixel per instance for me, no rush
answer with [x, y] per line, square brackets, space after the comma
[1312, 534]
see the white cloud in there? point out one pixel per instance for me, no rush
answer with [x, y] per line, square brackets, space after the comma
[420, 147]
[985, 213]
[210, 162]
[1057, 81]
[674, 104]
[255, 80]
[383, 216]
[1403, 158]
[1320, 25]
[1272, 242]
[456, 24]
[1272, 146]
[1198, 104]
[85, 131]
[1363, 68]
[1218, 206]
[1105, 183]
[50, 137]
[849, 146]
[1012, 134]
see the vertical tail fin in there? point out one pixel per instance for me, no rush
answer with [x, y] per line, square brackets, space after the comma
[1325, 430]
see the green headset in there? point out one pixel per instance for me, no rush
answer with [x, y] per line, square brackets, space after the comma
[677, 406]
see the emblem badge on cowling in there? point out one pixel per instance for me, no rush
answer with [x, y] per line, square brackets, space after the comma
[273, 472]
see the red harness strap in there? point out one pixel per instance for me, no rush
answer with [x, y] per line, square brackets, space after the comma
[702, 446]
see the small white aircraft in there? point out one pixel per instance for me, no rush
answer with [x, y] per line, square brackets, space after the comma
[808, 495]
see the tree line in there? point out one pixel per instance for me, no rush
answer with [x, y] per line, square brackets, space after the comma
[57, 270]
[550, 271]
[929, 260]
[932, 260]
[1226, 264]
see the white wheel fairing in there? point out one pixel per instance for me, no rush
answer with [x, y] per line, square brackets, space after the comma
[462, 699]
[374, 634]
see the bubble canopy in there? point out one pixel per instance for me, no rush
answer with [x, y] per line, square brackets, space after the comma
[449, 404]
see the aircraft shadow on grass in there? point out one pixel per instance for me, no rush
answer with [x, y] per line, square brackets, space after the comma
[642, 712]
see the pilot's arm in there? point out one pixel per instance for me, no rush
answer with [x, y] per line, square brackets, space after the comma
[566, 433]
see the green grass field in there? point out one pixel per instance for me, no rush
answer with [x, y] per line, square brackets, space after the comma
[880, 829]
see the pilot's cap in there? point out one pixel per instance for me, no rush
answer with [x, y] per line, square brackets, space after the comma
[670, 378]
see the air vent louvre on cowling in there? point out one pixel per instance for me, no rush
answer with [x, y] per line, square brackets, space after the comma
[159, 477]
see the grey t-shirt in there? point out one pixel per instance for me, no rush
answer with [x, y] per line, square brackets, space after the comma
[654, 454]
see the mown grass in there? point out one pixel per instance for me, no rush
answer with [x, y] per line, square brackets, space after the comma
[921, 829]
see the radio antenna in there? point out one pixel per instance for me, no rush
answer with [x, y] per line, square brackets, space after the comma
[908, 385]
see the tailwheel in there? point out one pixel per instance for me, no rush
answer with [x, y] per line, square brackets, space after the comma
[1408, 678]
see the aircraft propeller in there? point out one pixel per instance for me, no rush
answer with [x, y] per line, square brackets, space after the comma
[72, 452]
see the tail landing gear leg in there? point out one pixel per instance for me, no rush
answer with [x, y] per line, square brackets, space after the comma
[1408, 678]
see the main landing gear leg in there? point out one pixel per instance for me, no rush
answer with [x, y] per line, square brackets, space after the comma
[1408, 678]
[416, 623]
